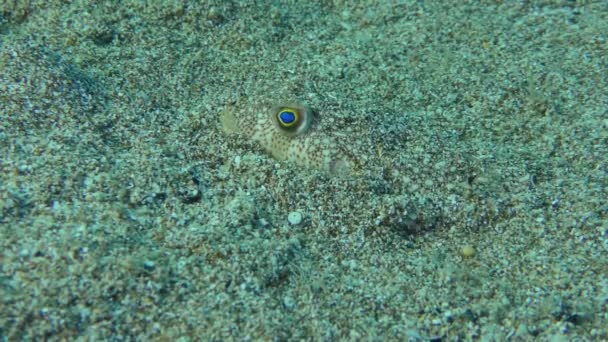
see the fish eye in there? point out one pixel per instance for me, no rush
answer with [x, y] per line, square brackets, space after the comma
[292, 120]
[288, 117]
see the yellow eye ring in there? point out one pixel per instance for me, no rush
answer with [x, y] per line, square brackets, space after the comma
[292, 120]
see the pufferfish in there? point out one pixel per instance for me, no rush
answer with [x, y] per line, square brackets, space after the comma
[285, 132]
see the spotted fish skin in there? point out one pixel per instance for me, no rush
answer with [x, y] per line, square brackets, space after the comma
[309, 148]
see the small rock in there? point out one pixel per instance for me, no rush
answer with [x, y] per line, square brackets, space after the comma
[215, 16]
[468, 251]
[294, 218]
[448, 316]
[289, 302]
[149, 265]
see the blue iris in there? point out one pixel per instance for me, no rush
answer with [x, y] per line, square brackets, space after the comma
[287, 117]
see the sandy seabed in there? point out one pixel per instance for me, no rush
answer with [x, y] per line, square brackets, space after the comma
[476, 208]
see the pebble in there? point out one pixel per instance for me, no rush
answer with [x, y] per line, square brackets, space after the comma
[294, 218]
[468, 251]
[149, 265]
[289, 302]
